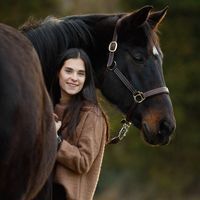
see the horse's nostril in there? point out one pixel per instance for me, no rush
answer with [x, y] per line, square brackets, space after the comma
[166, 128]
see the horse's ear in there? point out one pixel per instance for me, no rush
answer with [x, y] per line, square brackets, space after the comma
[156, 17]
[136, 18]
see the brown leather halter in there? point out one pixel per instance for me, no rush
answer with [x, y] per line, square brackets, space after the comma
[138, 96]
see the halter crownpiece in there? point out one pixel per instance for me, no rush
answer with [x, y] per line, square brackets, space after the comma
[138, 96]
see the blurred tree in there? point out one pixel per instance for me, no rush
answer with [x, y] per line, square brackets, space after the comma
[180, 5]
[15, 12]
[91, 6]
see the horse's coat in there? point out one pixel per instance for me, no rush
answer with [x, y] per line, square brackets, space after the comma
[27, 130]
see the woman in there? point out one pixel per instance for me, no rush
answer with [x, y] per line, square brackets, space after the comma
[84, 129]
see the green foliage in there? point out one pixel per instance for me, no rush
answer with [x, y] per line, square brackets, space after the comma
[16, 12]
[174, 5]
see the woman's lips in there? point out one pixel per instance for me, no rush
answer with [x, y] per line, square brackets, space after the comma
[72, 84]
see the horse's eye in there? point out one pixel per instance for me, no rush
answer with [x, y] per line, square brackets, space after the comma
[138, 57]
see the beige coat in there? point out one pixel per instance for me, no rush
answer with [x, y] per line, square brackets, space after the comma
[79, 161]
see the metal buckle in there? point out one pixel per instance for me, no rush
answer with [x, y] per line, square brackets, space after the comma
[139, 97]
[112, 46]
[122, 133]
[112, 67]
[125, 127]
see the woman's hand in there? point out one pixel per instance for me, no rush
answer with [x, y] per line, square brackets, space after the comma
[57, 122]
[58, 125]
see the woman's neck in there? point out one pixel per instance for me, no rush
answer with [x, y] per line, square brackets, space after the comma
[64, 99]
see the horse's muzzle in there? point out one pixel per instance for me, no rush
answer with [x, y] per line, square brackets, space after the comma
[160, 136]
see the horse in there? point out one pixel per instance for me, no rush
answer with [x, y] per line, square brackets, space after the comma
[127, 61]
[28, 144]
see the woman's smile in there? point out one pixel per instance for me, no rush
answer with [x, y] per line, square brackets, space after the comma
[72, 84]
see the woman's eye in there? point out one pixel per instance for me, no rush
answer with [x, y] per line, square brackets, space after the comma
[68, 71]
[81, 73]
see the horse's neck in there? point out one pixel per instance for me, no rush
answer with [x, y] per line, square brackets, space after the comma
[102, 27]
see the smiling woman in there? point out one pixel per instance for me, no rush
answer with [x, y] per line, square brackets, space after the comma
[72, 77]
[84, 131]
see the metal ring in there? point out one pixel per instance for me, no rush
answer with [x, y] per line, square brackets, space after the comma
[139, 97]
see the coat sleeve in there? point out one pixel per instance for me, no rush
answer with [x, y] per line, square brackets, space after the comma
[80, 158]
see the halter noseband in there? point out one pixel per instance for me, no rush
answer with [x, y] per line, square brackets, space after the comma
[138, 96]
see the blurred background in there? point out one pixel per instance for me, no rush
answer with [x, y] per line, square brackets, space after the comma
[133, 170]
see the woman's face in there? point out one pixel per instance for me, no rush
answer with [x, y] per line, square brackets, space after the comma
[72, 77]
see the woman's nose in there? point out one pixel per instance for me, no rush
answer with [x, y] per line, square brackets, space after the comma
[74, 76]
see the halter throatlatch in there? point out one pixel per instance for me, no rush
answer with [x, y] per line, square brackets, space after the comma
[138, 96]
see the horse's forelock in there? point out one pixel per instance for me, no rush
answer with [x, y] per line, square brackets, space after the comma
[151, 35]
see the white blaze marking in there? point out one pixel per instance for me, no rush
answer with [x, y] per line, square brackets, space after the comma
[155, 51]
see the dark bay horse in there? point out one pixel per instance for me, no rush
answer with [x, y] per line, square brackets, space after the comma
[128, 73]
[27, 130]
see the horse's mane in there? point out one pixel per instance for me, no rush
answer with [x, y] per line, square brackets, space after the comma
[31, 23]
[73, 27]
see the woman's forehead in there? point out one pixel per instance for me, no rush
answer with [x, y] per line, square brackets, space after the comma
[75, 64]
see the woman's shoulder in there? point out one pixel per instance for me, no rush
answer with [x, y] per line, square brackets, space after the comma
[94, 109]
[96, 114]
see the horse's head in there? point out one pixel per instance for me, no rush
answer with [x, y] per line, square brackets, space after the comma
[137, 56]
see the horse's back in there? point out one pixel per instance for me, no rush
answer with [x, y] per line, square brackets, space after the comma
[27, 132]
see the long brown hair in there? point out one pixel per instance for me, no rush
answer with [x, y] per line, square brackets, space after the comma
[71, 115]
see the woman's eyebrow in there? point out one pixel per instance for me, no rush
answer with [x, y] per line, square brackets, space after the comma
[82, 70]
